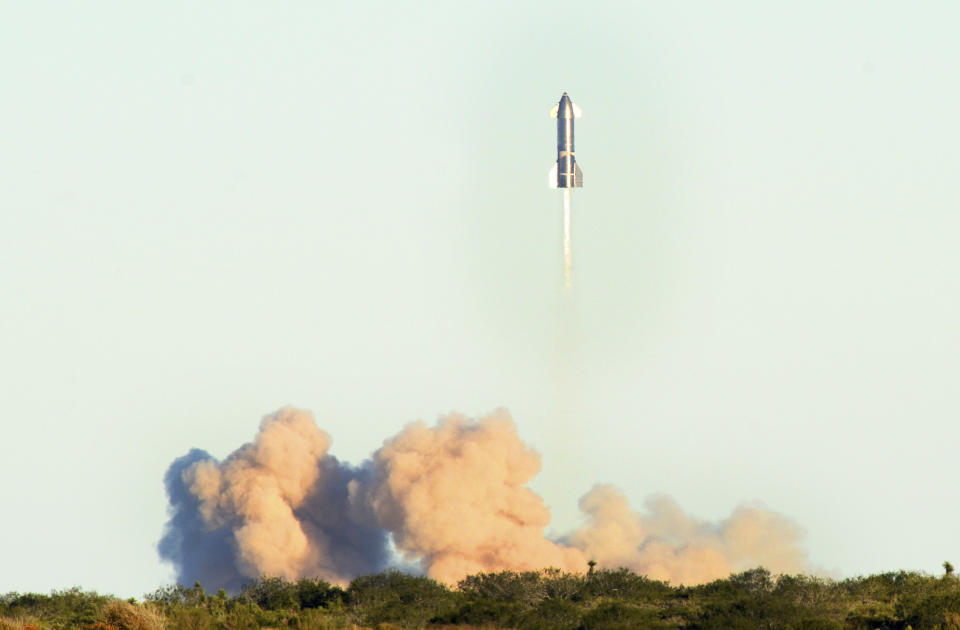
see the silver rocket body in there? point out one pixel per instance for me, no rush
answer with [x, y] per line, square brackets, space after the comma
[565, 172]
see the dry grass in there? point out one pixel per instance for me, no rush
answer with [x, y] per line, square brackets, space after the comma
[19, 623]
[126, 616]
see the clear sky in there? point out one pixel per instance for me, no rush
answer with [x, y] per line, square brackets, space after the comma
[209, 210]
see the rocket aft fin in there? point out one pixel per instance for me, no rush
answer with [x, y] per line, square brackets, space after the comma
[577, 175]
[552, 177]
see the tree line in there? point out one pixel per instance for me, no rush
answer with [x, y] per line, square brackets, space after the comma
[526, 600]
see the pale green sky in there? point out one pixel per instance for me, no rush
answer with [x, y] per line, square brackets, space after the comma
[212, 209]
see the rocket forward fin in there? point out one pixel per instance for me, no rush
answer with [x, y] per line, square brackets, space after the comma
[552, 177]
[576, 111]
[555, 110]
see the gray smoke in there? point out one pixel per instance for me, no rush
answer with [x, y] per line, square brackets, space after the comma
[198, 553]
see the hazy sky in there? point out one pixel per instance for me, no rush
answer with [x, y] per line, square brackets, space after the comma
[209, 210]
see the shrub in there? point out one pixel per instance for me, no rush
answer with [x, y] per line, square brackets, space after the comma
[820, 624]
[191, 619]
[317, 593]
[627, 585]
[551, 614]
[393, 597]
[320, 619]
[521, 587]
[485, 613]
[622, 616]
[272, 593]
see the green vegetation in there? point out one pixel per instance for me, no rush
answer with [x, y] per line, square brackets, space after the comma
[533, 600]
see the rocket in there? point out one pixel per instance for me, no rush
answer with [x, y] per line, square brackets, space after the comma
[565, 172]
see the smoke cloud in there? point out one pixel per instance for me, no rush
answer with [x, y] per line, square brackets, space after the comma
[200, 554]
[452, 498]
[664, 543]
[282, 503]
[455, 497]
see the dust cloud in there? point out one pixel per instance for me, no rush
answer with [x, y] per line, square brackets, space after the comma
[451, 499]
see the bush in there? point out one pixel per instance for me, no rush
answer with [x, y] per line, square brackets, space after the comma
[485, 613]
[941, 610]
[320, 619]
[527, 588]
[273, 593]
[69, 608]
[551, 614]
[242, 616]
[393, 597]
[626, 585]
[819, 624]
[191, 619]
[316, 593]
[621, 616]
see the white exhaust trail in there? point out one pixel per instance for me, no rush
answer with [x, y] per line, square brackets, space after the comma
[567, 249]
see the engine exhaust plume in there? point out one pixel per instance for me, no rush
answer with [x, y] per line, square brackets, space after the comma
[567, 247]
